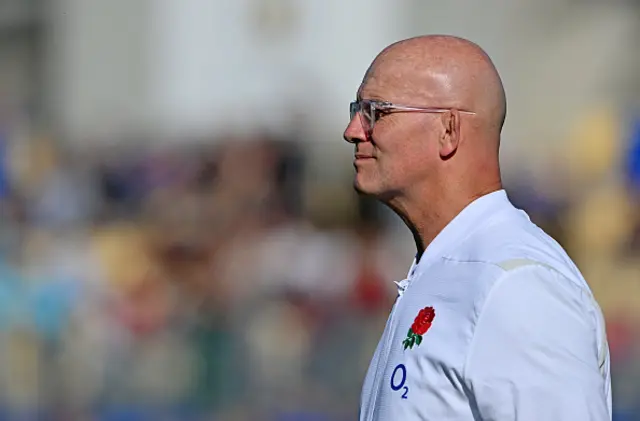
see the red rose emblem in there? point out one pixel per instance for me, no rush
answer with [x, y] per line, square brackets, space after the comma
[420, 326]
[422, 323]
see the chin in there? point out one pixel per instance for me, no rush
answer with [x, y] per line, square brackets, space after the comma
[366, 188]
[360, 190]
[375, 190]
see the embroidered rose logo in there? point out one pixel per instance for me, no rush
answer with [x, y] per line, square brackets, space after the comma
[420, 326]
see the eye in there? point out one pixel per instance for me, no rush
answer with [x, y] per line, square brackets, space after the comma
[374, 110]
[379, 113]
[369, 110]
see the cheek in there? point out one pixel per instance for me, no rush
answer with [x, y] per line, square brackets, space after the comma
[406, 152]
[415, 162]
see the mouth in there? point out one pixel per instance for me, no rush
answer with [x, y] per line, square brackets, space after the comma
[362, 157]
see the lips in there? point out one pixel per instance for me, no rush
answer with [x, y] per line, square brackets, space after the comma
[363, 156]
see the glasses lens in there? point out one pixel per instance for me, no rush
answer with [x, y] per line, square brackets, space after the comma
[365, 110]
[354, 108]
[368, 110]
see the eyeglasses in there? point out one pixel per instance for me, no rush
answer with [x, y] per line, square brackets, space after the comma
[372, 110]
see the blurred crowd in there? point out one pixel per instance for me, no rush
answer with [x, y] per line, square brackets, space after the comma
[211, 280]
[180, 282]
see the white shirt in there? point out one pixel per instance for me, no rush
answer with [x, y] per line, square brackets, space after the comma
[517, 334]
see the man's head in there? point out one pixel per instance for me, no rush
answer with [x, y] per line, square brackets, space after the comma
[428, 116]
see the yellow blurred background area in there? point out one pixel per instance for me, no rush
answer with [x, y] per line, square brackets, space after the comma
[180, 239]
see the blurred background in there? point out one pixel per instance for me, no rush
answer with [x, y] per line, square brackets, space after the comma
[179, 235]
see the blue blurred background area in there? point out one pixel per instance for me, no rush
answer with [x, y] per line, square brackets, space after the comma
[179, 236]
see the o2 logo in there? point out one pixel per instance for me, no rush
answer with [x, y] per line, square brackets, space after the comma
[398, 379]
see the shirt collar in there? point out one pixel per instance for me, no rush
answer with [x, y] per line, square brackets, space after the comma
[474, 215]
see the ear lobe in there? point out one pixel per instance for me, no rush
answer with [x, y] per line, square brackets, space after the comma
[450, 139]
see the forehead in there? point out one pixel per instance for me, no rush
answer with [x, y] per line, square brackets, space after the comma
[395, 81]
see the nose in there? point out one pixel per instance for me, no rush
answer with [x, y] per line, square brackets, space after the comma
[355, 132]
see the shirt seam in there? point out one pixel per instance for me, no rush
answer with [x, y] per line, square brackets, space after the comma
[485, 262]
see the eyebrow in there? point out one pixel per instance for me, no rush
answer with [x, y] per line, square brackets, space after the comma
[372, 97]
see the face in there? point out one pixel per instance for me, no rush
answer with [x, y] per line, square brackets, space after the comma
[401, 149]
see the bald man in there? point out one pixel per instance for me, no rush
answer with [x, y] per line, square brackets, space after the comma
[494, 322]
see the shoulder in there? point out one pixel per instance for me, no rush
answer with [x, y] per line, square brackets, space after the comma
[536, 344]
[511, 288]
[510, 238]
[536, 284]
[531, 309]
[522, 304]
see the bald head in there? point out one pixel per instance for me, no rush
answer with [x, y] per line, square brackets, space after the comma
[442, 71]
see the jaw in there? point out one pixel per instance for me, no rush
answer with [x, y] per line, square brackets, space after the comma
[367, 182]
[374, 187]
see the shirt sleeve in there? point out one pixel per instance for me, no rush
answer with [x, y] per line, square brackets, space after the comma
[534, 352]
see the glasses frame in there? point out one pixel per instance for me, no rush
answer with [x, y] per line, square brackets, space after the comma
[377, 108]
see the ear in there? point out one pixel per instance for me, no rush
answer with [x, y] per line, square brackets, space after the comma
[450, 139]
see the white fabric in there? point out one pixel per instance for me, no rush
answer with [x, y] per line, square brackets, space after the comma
[517, 334]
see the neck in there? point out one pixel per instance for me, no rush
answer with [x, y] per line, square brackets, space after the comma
[426, 215]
